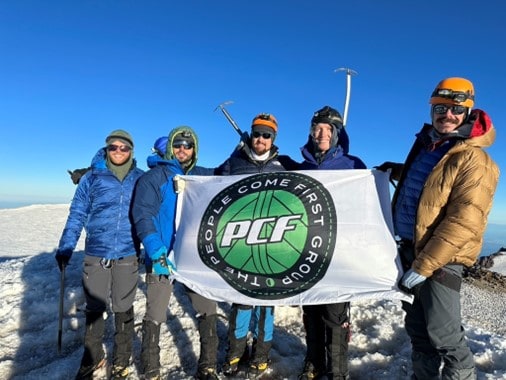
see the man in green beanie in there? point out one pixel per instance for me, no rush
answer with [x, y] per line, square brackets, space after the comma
[101, 205]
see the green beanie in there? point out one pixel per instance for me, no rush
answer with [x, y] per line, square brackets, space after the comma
[120, 134]
[120, 171]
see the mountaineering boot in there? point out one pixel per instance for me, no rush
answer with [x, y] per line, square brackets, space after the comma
[257, 369]
[119, 372]
[123, 340]
[207, 374]
[310, 372]
[150, 351]
[93, 355]
[231, 366]
[208, 342]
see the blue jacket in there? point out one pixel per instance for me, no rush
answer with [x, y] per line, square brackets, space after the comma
[154, 206]
[101, 205]
[336, 157]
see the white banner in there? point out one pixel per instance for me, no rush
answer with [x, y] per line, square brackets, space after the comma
[288, 238]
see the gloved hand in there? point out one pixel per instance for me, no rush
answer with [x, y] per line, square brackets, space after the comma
[245, 138]
[161, 264]
[394, 167]
[63, 257]
[179, 184]
[411, 279]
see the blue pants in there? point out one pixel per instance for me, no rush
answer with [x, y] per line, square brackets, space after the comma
[262, 320]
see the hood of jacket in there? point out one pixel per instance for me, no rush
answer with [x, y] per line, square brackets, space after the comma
[169, 154]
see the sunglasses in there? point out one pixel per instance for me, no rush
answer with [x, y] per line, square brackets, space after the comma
[265, 135]
[184, 144]
[122, 148]
[441, 109]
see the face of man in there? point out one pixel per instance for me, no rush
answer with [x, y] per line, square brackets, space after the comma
[447, 117]
[322, 135]
[183, 151]
[261, 142]
[118, 152]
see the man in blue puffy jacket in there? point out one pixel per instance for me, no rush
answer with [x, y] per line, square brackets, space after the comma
[101, 205]
[154, 211]
[327, 326]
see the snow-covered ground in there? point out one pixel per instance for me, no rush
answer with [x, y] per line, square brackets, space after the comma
[29, 294]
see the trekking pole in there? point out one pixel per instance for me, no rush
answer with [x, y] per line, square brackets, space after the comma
[229, 118]
[349, 73]
[60, 313]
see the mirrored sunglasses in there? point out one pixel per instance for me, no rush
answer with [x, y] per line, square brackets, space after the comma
[441, 109]
[122, 148]
[265, 135]
[184, 144]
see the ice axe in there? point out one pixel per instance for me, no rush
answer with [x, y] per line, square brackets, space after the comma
[244, 135]
[349, 73]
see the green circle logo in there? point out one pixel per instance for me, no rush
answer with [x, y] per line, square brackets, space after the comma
[270, 236]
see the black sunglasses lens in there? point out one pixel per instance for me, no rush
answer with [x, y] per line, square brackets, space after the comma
[123, 148]
[458, 110]
[265, 135]
[441, 109]
[183, 144]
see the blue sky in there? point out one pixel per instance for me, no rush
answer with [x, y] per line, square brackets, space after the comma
[72, 71]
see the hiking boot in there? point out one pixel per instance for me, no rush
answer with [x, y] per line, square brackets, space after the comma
[231, 367]
[256, 370]
[310, 372]
[152, 376]
[86, 371]
[206, 374]
[119, 372]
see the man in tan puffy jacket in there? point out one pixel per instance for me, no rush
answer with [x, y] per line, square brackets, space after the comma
[440, 209]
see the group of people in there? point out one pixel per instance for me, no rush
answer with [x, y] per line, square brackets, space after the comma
[440, 207]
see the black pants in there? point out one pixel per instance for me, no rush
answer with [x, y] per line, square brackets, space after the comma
[327, 337]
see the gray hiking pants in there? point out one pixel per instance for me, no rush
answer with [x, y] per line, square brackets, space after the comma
[116, 281]
[433, 322]
[159, 291]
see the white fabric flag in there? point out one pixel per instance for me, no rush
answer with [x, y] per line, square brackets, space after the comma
[288, 238]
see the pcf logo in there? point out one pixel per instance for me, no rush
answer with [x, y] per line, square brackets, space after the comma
[270, 235]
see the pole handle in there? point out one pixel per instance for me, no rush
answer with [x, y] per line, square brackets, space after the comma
[60, 307]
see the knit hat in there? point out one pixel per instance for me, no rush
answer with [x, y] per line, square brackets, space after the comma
[266, 120]
[123, 136]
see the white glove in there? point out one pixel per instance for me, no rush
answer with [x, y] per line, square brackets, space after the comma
[179, 184]
[411, 279]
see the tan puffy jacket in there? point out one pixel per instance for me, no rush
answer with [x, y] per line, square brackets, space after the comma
[455, 202]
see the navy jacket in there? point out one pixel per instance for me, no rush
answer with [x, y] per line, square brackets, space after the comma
[337, 157]
[242, 162]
